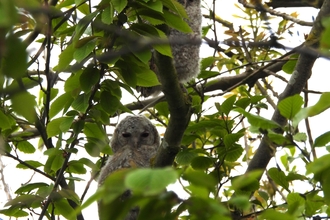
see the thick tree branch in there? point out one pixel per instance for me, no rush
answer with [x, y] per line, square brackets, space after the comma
[179, 106]
[296, 84]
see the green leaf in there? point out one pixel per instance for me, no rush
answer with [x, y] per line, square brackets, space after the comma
[82, 25]
[300, 137]
[66, 124]
[185, 157]
[15, 53]
[84, 50]
[199, 178]
[94, 130]
[89, 77]
[23, 104]
[319, 165]
[247, 182]
[56, 161]
[63, 102]
[278, 139]
[290, 106]
[25, 147]
[30, 187]
[6, 121]
[325, 182]
[258, 121]
[14, 211]
[240, 202]
[232, 153]
[176, 22]
[72, 84]
[150, 181]
[76, 167]
[127, 72]
[26, 201]
[201, 163]
[8, 14]
[279, 177]
[65, 58]
[227, 105]
[62, 207]
[107, 14]
[81, 103]
[144, 56]
[231, 139]
[313, 204]
[53, 127]
[243, 103]
[33, 163]
[147, 78]
[322, 140]
[119, 5]
[109, 103]
[296, 204]
[271, 214]
[289, 66]
[322, 105]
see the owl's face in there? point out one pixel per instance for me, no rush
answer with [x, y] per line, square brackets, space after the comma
[134, 132]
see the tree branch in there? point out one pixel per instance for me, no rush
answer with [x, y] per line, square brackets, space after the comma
[296, 84]
[179, 106]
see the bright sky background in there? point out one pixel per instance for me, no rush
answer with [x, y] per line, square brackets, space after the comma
[319, 82]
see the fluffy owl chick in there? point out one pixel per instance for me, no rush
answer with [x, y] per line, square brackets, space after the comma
[134, 143]
[185, 55]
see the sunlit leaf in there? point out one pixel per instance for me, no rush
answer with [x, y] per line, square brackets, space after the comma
[119, 5]
[272, 214]
[29, 187]
[25, 147]
[258, 121]
[53, 127]
[185, 157]
[24, 104]
[279, 177]
[296, 203]
[61, 103]
[150, 181]
[247, 182]
[89, 77]
[321, 105]
[32, 163]
[290, 106]
[201, 163]
[15, 54]
[6, 120]
[322, 140]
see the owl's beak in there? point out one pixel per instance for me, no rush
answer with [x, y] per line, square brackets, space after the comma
[136, 143]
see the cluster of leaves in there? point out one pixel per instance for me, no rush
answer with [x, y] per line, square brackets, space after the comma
[105, 50]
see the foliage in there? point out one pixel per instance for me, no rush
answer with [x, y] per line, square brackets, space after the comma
[95, 55]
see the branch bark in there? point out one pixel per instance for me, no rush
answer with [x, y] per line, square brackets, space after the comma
[179, 106]
[296, 84]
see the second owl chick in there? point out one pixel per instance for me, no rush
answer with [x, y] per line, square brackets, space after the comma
[185, 56]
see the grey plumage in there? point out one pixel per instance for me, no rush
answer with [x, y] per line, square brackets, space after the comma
[186, 58]
[134, 144]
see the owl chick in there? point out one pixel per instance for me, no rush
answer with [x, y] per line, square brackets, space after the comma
[185, 56]
[134, 143]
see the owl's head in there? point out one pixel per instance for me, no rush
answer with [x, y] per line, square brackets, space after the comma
[134, 132]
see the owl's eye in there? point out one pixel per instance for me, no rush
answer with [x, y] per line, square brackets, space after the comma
[145, 134]
[126, 134]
